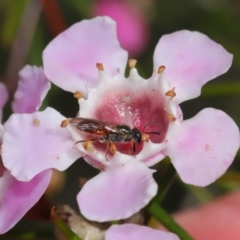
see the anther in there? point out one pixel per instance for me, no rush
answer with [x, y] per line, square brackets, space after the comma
[88, 146]
[132, 63]
[171, 93]
[64, 123]
[36, 122]
[100, 66]
[78, 95]
[171, 117]
[161, 69]
[145, 137]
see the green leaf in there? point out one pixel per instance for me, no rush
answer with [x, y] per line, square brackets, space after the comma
[11, 20]
[63, 227]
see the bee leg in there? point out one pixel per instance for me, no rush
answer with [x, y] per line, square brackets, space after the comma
[88, 144]
[133, 148]
[111, 148]
[92, 139]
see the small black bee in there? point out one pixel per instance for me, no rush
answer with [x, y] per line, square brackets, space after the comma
[110, 132]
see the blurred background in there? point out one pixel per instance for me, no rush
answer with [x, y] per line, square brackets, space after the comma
[27, 26]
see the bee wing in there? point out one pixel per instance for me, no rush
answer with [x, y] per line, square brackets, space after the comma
[93, 125]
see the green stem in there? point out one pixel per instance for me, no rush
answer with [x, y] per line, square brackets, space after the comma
[167, 221]
[166, 182]
[160, 214]
[63, 227]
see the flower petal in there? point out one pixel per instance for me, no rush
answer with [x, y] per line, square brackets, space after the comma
[3, 97]
[32, 89]
[16, 197]
[135, 232]
[203, 147]
[35, 142]
[73, 67]
[191, 59]
[117, 193]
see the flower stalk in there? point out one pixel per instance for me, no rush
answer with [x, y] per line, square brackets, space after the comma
[160, 214]
[165, 183]
[167, 221]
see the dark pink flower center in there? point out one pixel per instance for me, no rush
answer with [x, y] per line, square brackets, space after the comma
[143, 109]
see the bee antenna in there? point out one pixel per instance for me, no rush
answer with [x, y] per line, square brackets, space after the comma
[146, 125]
[153, 133]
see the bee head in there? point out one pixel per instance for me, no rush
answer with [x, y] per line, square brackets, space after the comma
[137, 136]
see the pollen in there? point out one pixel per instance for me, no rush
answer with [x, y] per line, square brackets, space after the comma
[64, 123]
[171, 117]
[145, 137]
[171, 93]
[161, 69]
[78, 95]
[88, 146]
[132, 63]
[36, 122]
[100, 66]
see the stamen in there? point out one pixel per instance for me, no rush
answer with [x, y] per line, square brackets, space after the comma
[145, 137]
[171, 93]
[78, 95]
[88, 146]
[64, 123]
[36, 122]
[100, 66]
[132, 63]
[161, 69]
[171, 117]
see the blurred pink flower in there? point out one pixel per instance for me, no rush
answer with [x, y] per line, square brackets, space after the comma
[201, 148]
[17, 197]
[132, 26]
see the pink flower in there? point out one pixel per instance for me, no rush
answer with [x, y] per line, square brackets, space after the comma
[135, 232]
[201, 148]
[132, 26]
[17, 197]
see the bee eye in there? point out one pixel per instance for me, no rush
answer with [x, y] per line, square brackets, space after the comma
[137, 135]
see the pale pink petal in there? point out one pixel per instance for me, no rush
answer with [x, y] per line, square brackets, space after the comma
[35, 142]
[3, 98]
[70, 59]
[136, 232]
[191, 59]
[203, 147]
[32, 89]
[16, 197]
[117, 193]
[132, 28]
